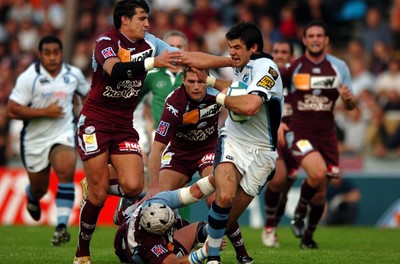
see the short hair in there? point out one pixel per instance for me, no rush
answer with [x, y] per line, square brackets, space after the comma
[128, 8]
[176, 33]
[189, 69]
[283, 41]
[249, 33]
[316, 23]
[49, 39]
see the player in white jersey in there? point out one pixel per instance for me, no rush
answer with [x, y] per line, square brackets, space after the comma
[43, 97]
[246, 151]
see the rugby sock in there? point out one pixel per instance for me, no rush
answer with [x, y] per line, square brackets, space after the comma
[87, 224]
[115, 188]
[235, 236]
[217, 221]
[307, 192]
[313, 219]
[64, 202]
[271, 200]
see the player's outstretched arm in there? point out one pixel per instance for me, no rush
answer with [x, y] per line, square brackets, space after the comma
[203, 60]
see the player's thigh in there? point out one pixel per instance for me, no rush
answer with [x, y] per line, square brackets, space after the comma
[63, 160]
[172, 180]
[97, 175]
[186, 235]
[130, 172]
[314, 166]
[278, 181]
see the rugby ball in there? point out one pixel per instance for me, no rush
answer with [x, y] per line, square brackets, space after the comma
[237, 88]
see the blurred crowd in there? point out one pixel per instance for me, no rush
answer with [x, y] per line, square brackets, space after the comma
[365, 33]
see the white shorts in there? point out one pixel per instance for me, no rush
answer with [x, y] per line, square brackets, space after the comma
[36, 155]
[254, 163]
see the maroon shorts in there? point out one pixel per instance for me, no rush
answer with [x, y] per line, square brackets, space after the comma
[187, 162]
[95, 137]
[291, 165]
[305, 143]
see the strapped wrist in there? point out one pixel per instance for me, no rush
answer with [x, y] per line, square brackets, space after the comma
[221, 99]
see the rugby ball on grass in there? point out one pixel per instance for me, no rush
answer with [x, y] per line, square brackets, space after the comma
[237, 88]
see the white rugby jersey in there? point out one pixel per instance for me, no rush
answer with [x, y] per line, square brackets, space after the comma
[36, 88]
[263, 78]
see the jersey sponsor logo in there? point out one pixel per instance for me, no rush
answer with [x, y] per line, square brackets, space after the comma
[273, 73]
[266, 82]
[102, 38]
[141, 56]
[198, 134]
[208, 158]
[304, 145]
[125, 89]
[202, 125]
[324, 82]
[90, 142]
[158, 250]
[44, 80]
[129, 146]
[172, 109]
[162, 128]
[108, 52]
[211, 110]
[315, 103]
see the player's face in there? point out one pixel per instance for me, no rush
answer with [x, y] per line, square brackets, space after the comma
[177, 42]
[136, 27]
[281, 53]
[51, 58]
[239, 53]
[315, 41]
[195, 88]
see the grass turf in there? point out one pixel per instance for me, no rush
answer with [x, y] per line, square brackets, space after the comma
[31, 244]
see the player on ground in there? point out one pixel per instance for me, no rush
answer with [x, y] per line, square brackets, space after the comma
[43, 97]
[148, 235]
[185, 142]
[275, 196]
[246, 151]
[316, 80]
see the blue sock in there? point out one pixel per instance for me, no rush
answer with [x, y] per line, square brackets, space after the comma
[64, 202]
[217, 220]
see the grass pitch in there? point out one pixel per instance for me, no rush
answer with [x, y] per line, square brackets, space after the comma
[31, 244]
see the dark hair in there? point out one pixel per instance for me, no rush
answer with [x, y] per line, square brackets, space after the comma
[283, 41]
[249, 33]
[189, 69]
[127, 8]
[316, 23]
[49, 39]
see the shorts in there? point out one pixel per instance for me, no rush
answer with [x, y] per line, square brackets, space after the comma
[35, 156]
[95, 137]
[187, 162]
[255, 164]
[305, 143]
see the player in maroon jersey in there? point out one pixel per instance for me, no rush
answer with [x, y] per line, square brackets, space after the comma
[121, 59]
[316, 80]
[185, 141]
[275, 196]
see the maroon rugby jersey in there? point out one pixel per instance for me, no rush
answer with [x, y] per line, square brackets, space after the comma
[187, 124]
[110, 100]
[314, 90]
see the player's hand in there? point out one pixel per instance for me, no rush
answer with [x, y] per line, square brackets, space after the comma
[283, 128]
[168, 59]
[201, 74]
[347, 97]
[54, 110]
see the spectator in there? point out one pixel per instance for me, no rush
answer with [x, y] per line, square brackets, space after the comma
[375, 30]
[342, 202]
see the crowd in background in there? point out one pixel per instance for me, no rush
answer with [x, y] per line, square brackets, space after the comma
[365, 33]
